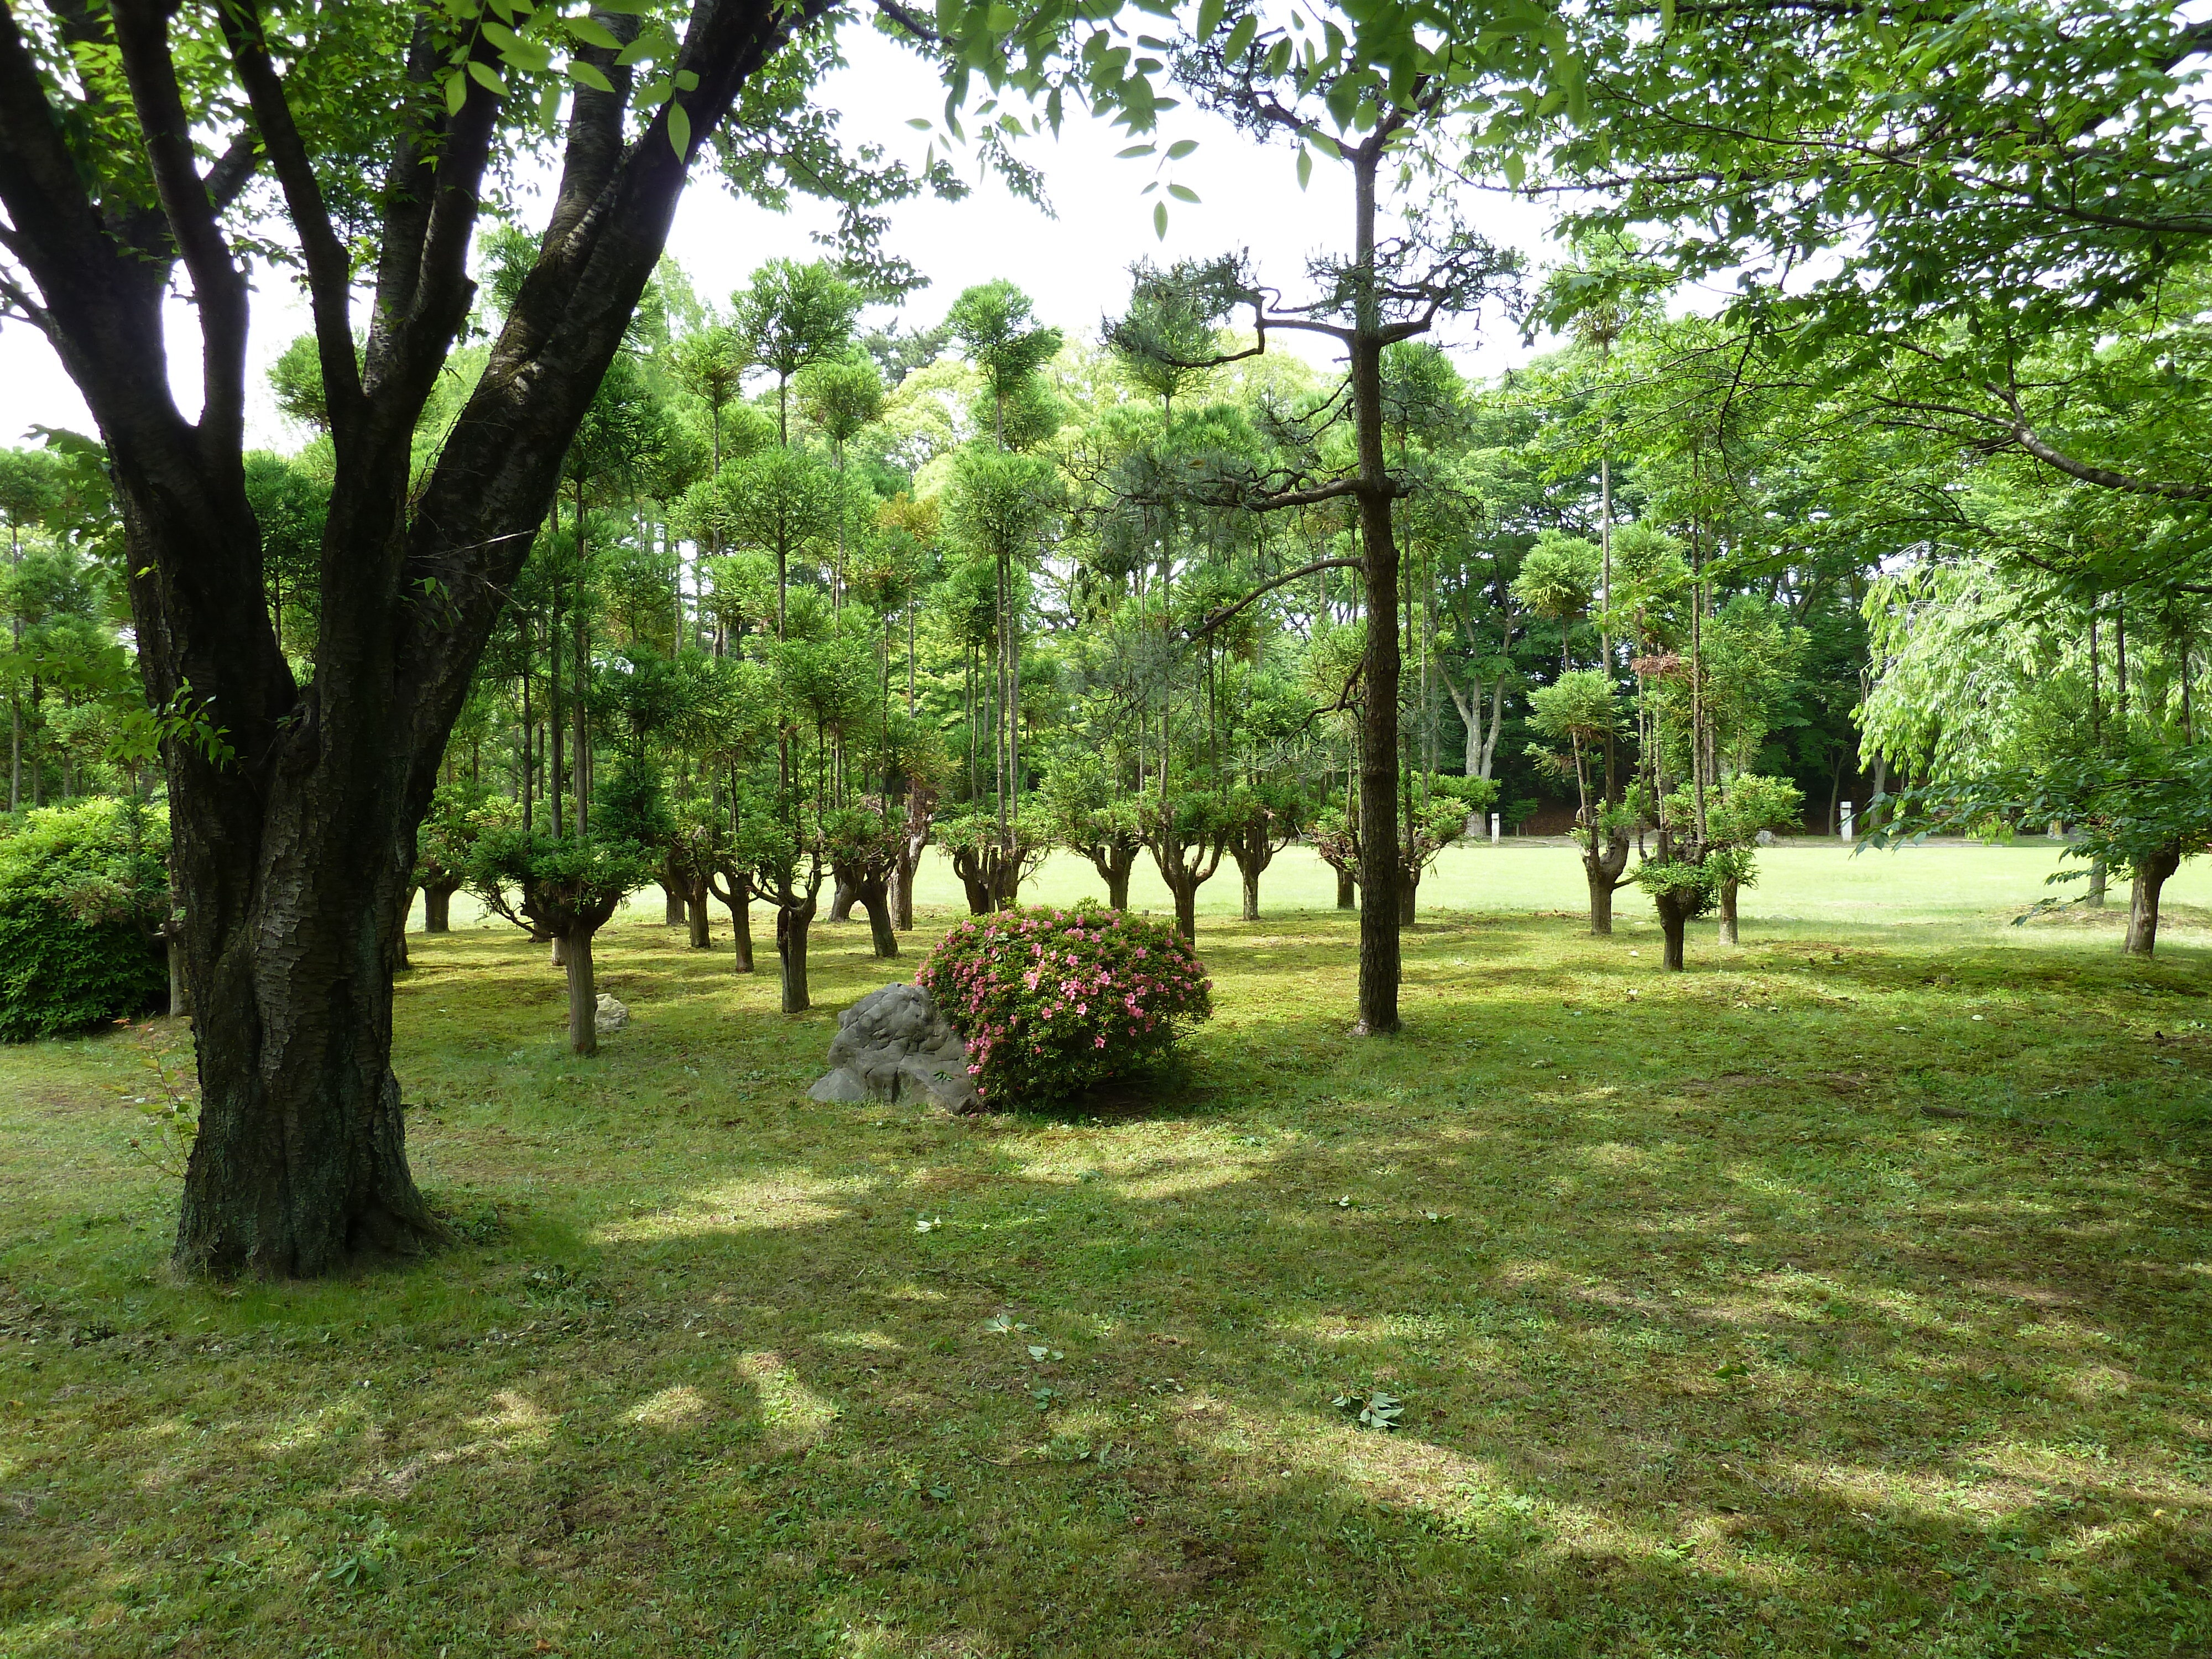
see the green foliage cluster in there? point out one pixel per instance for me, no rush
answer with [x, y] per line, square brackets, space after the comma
[84, 895]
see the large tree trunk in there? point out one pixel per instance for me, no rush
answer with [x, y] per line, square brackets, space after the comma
[1727, 930]
[583, 996]
[437, 908]
[294, 807]
[2143, 902]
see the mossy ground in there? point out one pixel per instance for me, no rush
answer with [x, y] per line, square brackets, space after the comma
[1710, 1341]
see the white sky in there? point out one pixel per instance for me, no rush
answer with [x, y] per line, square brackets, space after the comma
[1075, 266]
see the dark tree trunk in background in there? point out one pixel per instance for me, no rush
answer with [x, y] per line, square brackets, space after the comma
[1409, 886]
[1186, 904]
[2095, 898]
[395, 948]
[294, 807]
[2142, 903]
[438, 908]
[583, 996]
[1728, 928]
[180, 993]
[694, 910]
[1348, 891]
[670, 890]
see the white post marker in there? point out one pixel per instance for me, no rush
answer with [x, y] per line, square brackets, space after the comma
[1494, 822]
[1845, 832]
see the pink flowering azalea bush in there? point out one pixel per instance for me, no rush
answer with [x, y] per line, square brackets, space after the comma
[1052, 1001]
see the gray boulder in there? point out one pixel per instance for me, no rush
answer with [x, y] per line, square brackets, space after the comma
[610, 1017]
[893, 1045]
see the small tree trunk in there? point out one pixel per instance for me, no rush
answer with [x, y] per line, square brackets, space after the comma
[1348, 891]
[560, 952]
[2095, 900]
[583, 997]
[1409, 886]
[1251, 875]
[180, 990]
[2142, 903]
[703, 937]
[841, 901]
[792, 922]
[1117, 880]
[1600, 897]
[676, 906]
[437, 909]
[1727, 914]
[875, 898]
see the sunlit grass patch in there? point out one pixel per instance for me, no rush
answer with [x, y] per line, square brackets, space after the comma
[1718, 1345]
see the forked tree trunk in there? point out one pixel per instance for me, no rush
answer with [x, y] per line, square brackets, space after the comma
[1348, 891]
[1113, 864]
[2143, 902]
[437, 908]
[1186, 907]
[1727, 930]
[841, 901]
[1601, 904]
[583, 997]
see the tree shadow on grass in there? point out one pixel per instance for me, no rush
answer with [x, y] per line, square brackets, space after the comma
[1752, 1368]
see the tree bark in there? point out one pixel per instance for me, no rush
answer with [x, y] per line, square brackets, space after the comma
[841, 901]
[1728, 928]
[1249, 877]
[670, 890]
[180, 994]
[1186, 908]
[694, 910]
[2142, 903]
[1348, 891]
[583, 996]
[2095, 897]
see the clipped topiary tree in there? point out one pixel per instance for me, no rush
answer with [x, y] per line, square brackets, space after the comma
[1052, 1002]
[84, 898]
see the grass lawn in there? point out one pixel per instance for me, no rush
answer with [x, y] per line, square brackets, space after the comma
[1710, 1339]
